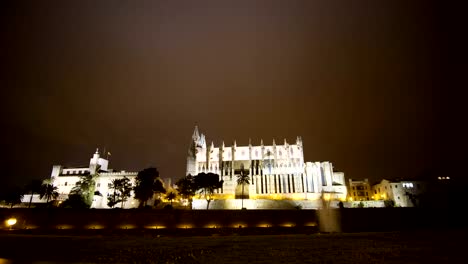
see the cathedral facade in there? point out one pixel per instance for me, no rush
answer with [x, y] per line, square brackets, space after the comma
[276, 172]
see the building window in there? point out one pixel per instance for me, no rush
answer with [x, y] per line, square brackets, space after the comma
[398, 197]
[354, 193]
[109, 185]
[367, 194]
[375, 192]
[407, 185]
[396, 186]
[66, 183]
[354, 188]
[98, 185]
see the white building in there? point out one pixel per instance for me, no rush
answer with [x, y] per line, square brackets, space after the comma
[401, 192]
[66, 178]
[277, 172]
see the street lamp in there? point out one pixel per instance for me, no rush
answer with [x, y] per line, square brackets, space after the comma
[11, 222]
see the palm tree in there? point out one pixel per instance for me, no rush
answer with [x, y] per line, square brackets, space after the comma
[125, 189]
[48, 191]
[171, 196]
[33, 187]
[243, 179]
[115, 197]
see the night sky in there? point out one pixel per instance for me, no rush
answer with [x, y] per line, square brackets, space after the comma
[373, 86]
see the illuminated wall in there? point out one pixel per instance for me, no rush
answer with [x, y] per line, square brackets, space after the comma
[66, 179]
[276, 171]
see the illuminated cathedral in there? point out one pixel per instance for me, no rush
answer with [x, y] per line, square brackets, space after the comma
[278, 175]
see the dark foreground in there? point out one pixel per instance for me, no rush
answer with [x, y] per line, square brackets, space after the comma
[422, 246]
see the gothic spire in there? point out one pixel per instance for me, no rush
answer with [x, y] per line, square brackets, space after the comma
[196, 135]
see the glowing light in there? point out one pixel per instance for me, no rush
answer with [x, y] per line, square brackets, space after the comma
[310, 224]
[10, 222]
[127, 227]
[94, 227]
[264, 225]
[239, 225]
[155, 227]
[184, 226]
[287, 225]
[64, 227]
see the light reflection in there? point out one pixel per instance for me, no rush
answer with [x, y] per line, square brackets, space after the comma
[94, 227]
[155, 227]
[127, 227]
[65, 227]
[185, 226]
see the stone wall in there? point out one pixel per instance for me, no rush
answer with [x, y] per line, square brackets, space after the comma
[258, 204]
[328, 220]
[153, 219]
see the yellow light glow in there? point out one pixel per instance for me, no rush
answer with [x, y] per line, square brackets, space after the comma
[155, 227]
[94, 227]
[11, 221]
[184, 226]
[310, 224]
[64, 227]
[264, 225]
[297, 196]
[288, 224]
[127, 226]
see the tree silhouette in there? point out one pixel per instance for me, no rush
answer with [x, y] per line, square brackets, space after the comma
[13, 196]
[171, 196]
[186, 188]
[206, 183]
[122, 191]
[48, 191]
[147, 184]
[75, 201]
[85, 187]
[33, 187]
[243, 179]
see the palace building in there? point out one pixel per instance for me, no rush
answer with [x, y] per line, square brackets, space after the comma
[65, 178]
[277, 172]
